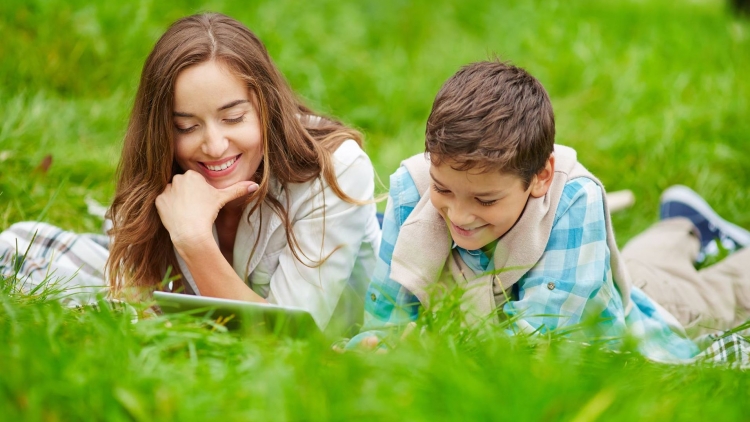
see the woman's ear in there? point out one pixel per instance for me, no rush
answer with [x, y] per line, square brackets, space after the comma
[541, 182]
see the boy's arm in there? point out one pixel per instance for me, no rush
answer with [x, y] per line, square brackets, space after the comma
[572, 281]
[388, 305]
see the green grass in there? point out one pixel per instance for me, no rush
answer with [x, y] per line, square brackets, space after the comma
[651, 93]
[95, 364]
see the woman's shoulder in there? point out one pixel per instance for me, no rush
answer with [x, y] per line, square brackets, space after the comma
[348, 154]
[353, 169]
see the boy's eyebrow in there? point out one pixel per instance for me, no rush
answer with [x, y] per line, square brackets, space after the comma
[488, 193]
[224, 107]
[435, 178]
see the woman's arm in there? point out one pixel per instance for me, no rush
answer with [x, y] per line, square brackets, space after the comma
[188, 208]
[330, 229]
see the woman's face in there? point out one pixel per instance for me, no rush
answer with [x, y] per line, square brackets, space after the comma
[216, 125]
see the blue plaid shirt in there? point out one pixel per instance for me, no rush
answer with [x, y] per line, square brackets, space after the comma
[576, 261]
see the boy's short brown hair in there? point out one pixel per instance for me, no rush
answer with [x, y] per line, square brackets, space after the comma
[492, 116]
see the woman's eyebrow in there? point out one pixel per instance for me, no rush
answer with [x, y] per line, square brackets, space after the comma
[232, 104]
[224, 107]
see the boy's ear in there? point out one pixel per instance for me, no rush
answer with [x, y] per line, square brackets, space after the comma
[541, 182]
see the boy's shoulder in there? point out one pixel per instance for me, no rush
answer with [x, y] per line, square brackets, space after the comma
[418, 169]
[580, 186]
[578, 198]
[403, 190]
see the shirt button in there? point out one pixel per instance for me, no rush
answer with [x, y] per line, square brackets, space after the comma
[372, 297]
[551, 285]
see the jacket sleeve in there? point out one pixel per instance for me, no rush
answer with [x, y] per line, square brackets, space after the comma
[388, 305]
[330, 233]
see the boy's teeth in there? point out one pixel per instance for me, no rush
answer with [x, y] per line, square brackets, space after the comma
[223, 166]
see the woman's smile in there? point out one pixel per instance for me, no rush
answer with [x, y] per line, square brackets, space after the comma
[220, 168]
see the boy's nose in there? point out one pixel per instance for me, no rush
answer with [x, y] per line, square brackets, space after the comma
[460, 218]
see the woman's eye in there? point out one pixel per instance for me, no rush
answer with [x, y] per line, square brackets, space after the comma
[184, 130]
[235, 120]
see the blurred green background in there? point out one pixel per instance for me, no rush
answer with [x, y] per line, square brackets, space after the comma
[650, 92]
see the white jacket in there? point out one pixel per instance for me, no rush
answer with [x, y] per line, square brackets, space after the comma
[348, 232]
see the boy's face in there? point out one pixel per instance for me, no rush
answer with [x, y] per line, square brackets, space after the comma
[480, 207]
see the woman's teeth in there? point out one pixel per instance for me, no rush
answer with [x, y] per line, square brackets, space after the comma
[221, 167]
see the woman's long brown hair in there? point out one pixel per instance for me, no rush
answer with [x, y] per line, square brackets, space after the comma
[296, 148]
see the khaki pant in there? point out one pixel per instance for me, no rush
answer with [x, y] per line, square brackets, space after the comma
[660, 262]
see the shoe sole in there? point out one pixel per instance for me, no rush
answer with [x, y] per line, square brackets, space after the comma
[687, 196]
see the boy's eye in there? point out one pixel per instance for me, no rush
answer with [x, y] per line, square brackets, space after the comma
[438, 190]
[486, 203]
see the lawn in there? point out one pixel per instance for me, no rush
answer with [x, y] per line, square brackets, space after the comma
[651, 93]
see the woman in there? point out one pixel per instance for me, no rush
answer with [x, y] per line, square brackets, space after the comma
[229, 182]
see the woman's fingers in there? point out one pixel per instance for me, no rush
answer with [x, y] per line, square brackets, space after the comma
[238, 190]
[192, 186]
[189, 206]
[189, 177]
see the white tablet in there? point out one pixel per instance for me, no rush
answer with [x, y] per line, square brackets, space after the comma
[236, 314]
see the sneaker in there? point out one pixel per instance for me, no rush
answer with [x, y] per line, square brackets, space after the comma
[681, 201]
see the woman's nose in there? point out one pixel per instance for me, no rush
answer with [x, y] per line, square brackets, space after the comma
[214, 142]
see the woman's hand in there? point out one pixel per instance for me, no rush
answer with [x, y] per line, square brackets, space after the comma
[189, 206]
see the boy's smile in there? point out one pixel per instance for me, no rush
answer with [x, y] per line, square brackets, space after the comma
[480, 207]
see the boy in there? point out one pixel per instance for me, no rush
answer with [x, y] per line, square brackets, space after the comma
[517, 223]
